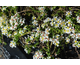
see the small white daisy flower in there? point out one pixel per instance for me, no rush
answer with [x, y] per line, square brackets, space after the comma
[68, 13]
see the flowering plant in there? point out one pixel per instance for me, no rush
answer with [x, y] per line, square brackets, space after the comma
[45, 34]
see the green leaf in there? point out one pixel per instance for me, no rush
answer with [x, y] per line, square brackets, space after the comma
[70, 8]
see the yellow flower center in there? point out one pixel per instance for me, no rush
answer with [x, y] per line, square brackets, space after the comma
[56, 36]
[56, 43]
[57, 21]
[56, 25]
[21, 32]
[42, 38]
[27, 43]
[52, 23]
[69, 22]
[67, 27]
[75, 41]
[36, 55]
[70, 29]
[34, 22]
[4, 22]
[31, 36]
[33, 17]
[47, 30]
[54, 18]
[48, 19]
[13, 43]
[68, 13]
[37, 29]
[64, 30]
[67, 30]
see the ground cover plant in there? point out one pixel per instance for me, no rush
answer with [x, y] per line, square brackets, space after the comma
[48, 32]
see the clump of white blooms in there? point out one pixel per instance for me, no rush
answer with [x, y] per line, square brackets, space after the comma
[15, 21]
[43, 31]
[38, 55]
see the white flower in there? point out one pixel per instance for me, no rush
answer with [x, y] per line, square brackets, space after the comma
[33, 18]
[55, 18]
[46, 36]
[73, 30]
[52, 23]
[47, 31]
[57, 36]
[73, 35]
[78, 21]
[15, 33]
[38, 29]
[41, 9]
[45, 21]
[37, 34]
[32, 37]
[78, 18]
[4, 8]
[11, 22]
[12, 28]
[12, 44]
[75, 41]
[69, 22]
[78, 45]
[56, 25]
[42, 39]
[67, 39]
[68, 13]
[21, 32]
[67, 30]
[48, 19]
[58, 21]
[78, 35]
[24, 27]
[8, 35]
[43, 25]
[22, 21]
[16, 23]
[56, 42]
[35, 22]
[73, 45]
